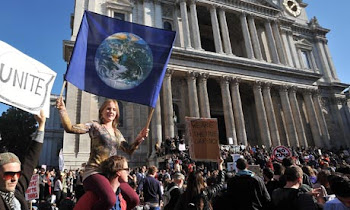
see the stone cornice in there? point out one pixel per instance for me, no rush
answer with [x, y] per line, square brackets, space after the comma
[239, 6]
[244, 66]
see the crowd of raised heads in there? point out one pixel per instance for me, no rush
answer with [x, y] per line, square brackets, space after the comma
[324, 173]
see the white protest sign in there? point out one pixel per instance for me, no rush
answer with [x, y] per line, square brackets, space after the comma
[235, 157]
[182, 147]
[24, 82]
[281, 152]
[33, 188]
[230, 166]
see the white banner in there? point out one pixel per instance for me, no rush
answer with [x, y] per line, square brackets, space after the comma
[61, 160]
[25, 83]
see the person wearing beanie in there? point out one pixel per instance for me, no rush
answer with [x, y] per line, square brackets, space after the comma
[15, 174]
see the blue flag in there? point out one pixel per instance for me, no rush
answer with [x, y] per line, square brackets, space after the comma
[120, 60]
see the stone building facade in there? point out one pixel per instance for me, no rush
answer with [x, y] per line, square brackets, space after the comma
[261, 67]
[53, 139]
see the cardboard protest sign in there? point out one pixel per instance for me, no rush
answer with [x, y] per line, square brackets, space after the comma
[33, 189]
[24, 82]
[203, 136]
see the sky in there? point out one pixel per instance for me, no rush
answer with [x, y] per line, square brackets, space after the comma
[38, 28]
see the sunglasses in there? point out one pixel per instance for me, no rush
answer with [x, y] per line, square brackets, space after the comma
[10, 174]
[126, 169]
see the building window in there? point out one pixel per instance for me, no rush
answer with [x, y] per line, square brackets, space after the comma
[119, 16]
[305, 59]
[167, 26]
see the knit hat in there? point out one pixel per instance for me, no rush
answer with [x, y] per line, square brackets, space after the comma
[8, 157]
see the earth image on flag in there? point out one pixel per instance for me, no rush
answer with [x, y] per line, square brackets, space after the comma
[123, 60]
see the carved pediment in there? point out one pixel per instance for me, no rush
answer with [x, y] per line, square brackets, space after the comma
[271, 3]
[304, 43]
[127, 3]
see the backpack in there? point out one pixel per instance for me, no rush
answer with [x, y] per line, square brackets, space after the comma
[166, 196]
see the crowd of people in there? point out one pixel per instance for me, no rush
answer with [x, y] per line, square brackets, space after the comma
[310, 178]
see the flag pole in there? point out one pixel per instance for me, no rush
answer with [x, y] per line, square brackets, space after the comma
[63, 86]
[149, 117]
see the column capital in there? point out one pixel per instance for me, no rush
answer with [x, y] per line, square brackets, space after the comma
[267, 85]
[307, 91]
[169, 72]
[235, 81]
[244, 14]
[225, 80]
[203, 76]
[193, 1]
[268, 20]
[181, 1]
[192, 75]
[212, 6]
[283, 88]
[257, 84]
[293, 89]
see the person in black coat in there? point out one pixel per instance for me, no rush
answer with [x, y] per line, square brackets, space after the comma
[16, 174]
[292, 197]
[247, 191]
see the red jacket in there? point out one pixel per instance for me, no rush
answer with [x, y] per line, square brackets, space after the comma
[89, 198]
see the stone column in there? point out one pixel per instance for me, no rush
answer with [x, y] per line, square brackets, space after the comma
[168, 105]
[185, 26]
[140, 13]
[323, 60]
[315, 127]
[192, 93]
[178, 39]
[330, 62]
[134, 14]
[203, 95]
[293, 49]
[255, 39]
[297, 117]
[147, 12]
[270, 113]
[227, 106]
[156, 125]
[321, 119]
[246, 36]
[216, 30]
[195, 27]
[288, 116]
[158, 14]
[225, 33]
[271, 42]
[278, 39]
[336, 106]
[238, 111]
[261, 114]
[287, 47]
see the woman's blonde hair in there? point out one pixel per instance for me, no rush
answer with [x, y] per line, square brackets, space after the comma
[103, 106]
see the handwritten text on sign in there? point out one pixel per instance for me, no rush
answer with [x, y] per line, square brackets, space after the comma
[33, 189]
[203, 137]
[24, 82]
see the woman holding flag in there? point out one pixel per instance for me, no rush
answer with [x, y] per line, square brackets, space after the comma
[105, 140]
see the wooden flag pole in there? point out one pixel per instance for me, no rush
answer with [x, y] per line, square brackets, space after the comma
[149, 117]
[63, 86]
